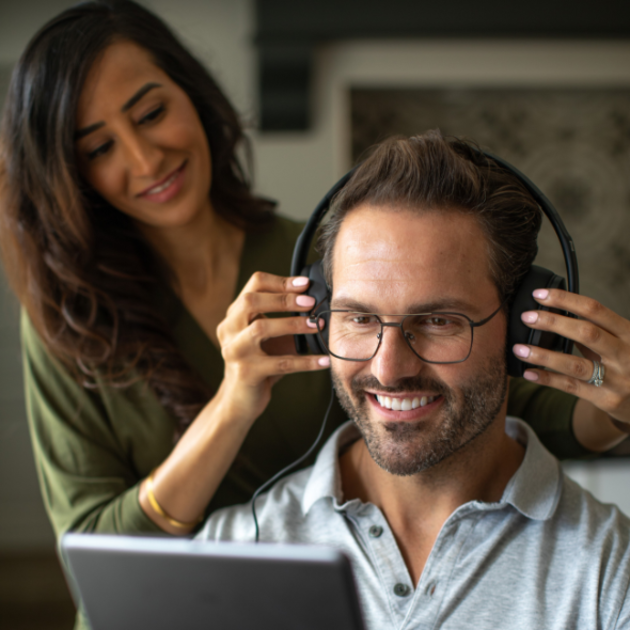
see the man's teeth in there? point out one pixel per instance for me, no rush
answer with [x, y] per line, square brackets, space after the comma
[404, 404]
[164, 186]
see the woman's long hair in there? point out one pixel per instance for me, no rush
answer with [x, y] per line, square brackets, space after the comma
[80, 267]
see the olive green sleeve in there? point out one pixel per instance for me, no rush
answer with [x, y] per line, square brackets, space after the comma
[549, 412]
[85, 478]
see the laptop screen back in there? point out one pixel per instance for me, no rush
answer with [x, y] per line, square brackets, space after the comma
[127, 582]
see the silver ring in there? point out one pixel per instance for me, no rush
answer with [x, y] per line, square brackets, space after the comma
[598, 374]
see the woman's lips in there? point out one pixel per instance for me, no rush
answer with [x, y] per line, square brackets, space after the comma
[167, 188]
[404, 407]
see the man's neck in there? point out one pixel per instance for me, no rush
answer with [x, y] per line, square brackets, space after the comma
[417, 506]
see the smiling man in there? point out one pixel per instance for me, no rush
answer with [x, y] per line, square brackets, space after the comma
[453, 515]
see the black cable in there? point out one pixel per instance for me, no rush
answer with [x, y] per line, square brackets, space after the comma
[297, 462]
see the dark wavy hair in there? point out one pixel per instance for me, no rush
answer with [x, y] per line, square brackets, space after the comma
[87, 278]
[429, 172]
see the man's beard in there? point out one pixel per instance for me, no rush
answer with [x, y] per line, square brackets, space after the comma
[406, 448]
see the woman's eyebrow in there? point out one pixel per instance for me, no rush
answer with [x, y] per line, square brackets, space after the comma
[86, 130]
[81, 133]
[138, 95]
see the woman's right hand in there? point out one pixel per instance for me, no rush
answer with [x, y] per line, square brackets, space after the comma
[259, 350]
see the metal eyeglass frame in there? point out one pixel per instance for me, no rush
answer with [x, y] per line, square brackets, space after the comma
[473, 325]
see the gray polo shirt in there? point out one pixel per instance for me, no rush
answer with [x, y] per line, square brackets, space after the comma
[547, 556]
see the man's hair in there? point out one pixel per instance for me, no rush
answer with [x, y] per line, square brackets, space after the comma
[429, 173]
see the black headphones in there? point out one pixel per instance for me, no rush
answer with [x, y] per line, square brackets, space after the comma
[536, 278]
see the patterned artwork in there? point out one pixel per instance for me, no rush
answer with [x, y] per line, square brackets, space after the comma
[573, 143]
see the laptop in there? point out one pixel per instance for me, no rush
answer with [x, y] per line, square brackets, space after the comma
[132, 582]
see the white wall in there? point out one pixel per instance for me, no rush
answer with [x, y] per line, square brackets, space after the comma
[295, 168]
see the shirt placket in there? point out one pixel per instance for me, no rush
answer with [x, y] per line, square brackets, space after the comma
[378, 540]
[438, 572]
[412, 608]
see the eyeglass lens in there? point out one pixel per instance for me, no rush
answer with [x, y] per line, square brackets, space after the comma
[434, 337]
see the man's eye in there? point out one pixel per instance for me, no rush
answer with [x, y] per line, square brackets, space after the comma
[363, 319]
[152, 115]
[104, 148]
[438, 321]
[433, 323]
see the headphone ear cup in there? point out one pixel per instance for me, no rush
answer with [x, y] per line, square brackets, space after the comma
[317, 289]
[518, 332]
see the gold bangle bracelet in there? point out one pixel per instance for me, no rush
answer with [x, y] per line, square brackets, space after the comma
[158, 508]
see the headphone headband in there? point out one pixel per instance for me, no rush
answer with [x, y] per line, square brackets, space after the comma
[304, 240]
[566, 242]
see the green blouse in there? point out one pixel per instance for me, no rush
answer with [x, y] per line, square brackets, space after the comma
[92, 448]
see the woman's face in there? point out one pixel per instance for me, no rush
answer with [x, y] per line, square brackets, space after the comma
[139, 140]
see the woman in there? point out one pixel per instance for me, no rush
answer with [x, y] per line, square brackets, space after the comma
[128, 227]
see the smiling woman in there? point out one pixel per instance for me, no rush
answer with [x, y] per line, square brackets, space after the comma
[84, 158]
[128, 228]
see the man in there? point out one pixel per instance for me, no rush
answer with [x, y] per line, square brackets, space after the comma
[452, 515]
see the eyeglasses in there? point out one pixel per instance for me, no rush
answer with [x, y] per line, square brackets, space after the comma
[439, 337]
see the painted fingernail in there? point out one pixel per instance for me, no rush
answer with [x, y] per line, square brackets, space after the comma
[530, 317]
[300, 281]
[311, 323]
[305, 300]
[324, 361]
[522, 351]
[530, 376]
[541, 294]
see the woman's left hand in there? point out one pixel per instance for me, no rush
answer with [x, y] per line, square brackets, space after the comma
[600, 335]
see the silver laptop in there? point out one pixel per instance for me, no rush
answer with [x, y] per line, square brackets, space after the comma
[130, 582]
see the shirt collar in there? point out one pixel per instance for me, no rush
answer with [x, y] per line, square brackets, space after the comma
[325, 479]
[534, 490]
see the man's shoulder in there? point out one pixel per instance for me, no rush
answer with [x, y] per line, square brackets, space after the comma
[580, 513]
[581, 544]
[543, 491]
[585, 551]
[276, 510]
[286, 513]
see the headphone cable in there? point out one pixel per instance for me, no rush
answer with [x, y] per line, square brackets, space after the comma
[297, 462]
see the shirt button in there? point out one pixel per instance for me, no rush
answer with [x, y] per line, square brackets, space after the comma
[375, 531]
[402, 590]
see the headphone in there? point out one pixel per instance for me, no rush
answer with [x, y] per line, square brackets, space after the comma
[536, 278]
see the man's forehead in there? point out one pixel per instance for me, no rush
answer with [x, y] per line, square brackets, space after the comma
[394, 251]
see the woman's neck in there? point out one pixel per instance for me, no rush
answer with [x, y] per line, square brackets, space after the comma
[198, 252]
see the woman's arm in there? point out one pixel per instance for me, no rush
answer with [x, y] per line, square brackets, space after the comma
[95, 450]
[594, 428]
[87, 480]
[257, 351]
[601, 416]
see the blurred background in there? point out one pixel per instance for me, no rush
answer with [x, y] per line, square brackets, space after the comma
[546, 87]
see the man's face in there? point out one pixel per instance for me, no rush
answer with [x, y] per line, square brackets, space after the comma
[397, 261]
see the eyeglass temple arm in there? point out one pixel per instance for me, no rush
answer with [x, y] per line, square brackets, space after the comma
[487, 319]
